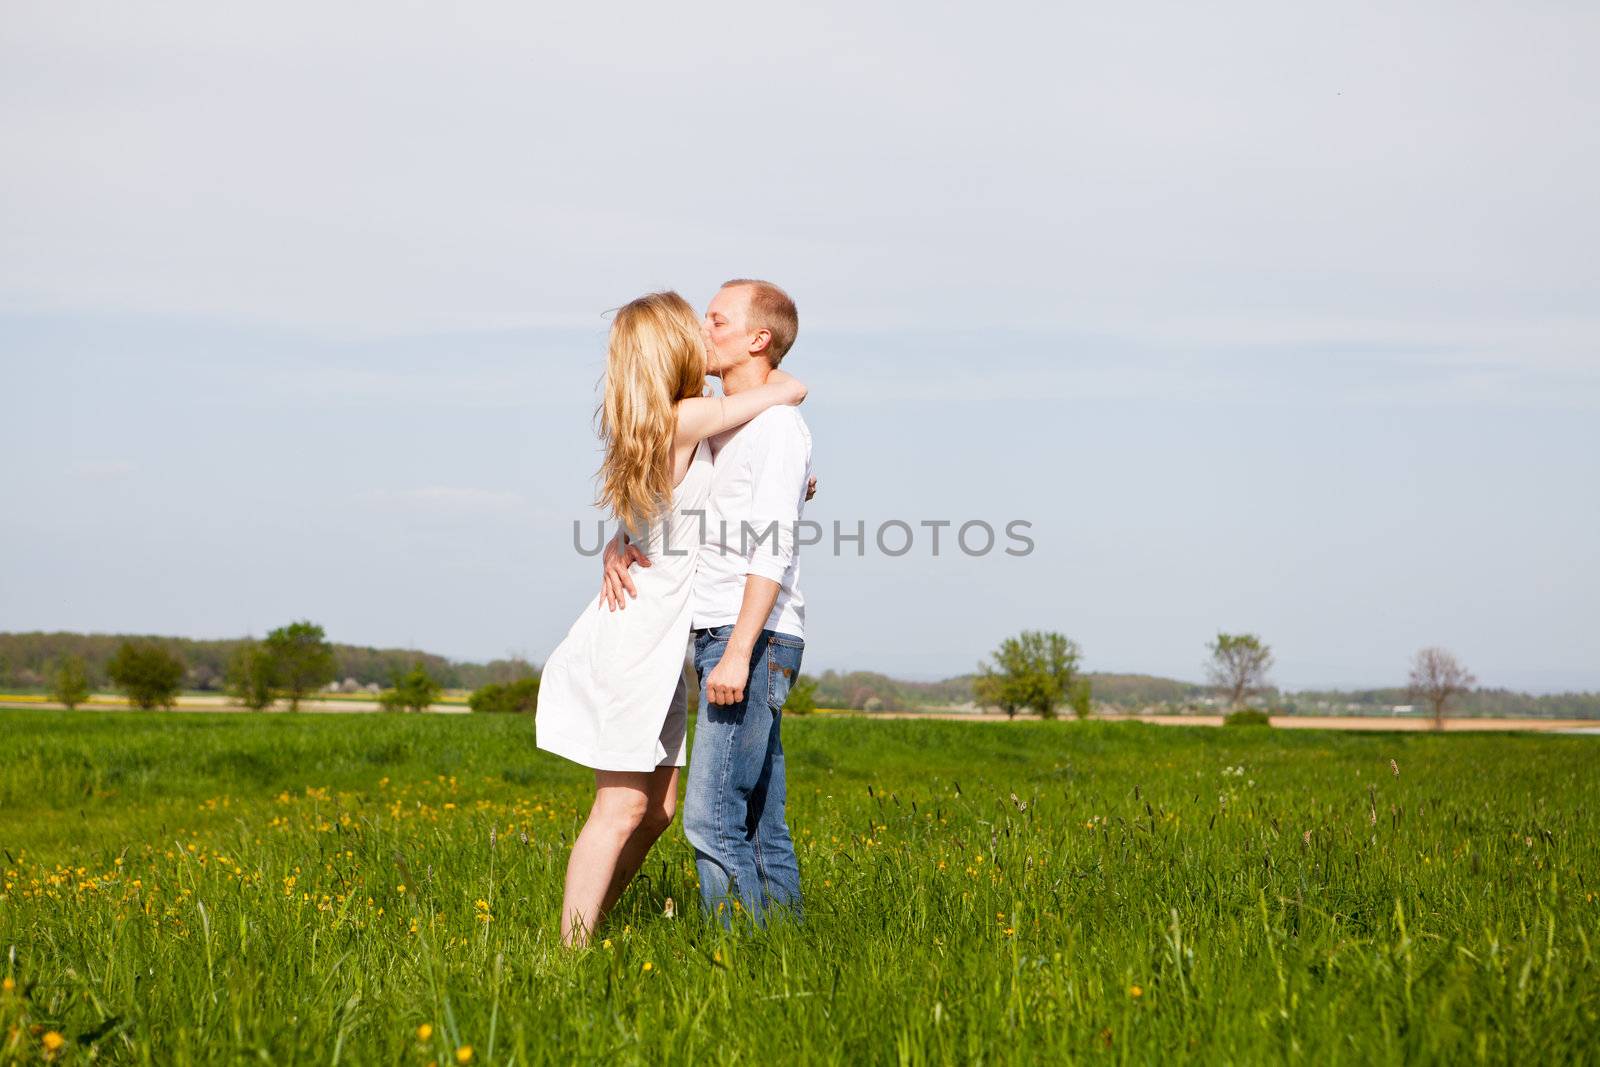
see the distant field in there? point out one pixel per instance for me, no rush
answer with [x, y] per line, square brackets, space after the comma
[199, 888]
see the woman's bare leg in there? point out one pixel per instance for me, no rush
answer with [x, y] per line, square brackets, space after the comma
[662, 805]
[621, 800]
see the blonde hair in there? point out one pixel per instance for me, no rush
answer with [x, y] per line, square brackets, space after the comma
[656, 357]
[772, 310]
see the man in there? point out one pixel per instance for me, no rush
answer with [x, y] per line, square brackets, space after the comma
[748, 617]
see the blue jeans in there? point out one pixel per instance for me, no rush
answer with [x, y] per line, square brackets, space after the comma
[733, 805]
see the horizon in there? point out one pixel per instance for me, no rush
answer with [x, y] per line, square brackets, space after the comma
[484, 660]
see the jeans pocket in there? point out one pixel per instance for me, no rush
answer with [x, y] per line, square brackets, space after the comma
[783, 667]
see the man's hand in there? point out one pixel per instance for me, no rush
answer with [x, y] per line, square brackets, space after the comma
[725, 684]
[811, 487]
[614, 577]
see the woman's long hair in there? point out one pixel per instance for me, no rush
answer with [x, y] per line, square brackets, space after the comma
[655, 359]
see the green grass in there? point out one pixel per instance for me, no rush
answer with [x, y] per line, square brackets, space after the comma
[980, 893]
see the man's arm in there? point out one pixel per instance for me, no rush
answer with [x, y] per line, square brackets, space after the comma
[779, 487]
[726, 682]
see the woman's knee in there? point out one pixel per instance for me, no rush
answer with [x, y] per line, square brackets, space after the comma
[622, 812]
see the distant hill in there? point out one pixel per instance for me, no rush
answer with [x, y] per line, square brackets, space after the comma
[25, 658]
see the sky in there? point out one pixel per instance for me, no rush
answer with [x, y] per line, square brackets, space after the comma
[1266, 318]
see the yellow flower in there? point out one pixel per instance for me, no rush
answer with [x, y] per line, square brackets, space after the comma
[1135, 991]
[400, 888]
[424, 1031]
[9, 984]
[53, 1041]
[606, 944]
[648, 966]
[464, 1054]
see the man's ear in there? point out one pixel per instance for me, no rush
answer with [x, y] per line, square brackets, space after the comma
[759, 341]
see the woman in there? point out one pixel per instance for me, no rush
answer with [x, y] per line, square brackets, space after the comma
[612, 694]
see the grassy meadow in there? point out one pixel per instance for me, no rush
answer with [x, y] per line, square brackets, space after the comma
[222, 888]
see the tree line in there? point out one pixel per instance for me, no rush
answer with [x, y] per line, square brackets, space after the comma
[26, 659]
[292, 663]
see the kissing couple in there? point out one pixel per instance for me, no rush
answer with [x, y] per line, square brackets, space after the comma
[707, 491]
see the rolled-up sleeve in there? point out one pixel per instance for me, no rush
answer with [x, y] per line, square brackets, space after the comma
[779, 472]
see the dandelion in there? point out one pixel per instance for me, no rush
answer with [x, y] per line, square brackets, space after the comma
[1135, 991]
[53, 1041]
[648, 967]
[464, 1054]
[424, 1031]
[606, 944]
[9, 984]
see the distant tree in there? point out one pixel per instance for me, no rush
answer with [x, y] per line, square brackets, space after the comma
[520, 696]
[1239, 665]
[413, 691]
[69, 681]
[1081, 697]
[250, 675]
[148, 673]
[802, 698]
[1437, 678]
[1034, 670]
[302, 660]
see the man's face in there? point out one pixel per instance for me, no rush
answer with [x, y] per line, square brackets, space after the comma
[727, 332]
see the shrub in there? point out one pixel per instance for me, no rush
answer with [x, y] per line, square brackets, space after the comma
[69, 681]
[521, 696]
[413, 691]
[1247, 717]
[251, 675]
[148, 673]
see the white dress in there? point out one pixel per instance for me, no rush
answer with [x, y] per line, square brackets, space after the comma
[612, 695]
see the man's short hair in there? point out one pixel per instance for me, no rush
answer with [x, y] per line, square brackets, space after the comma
[773, 311]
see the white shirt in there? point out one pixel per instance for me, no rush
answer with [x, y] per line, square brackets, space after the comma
[758, 491]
